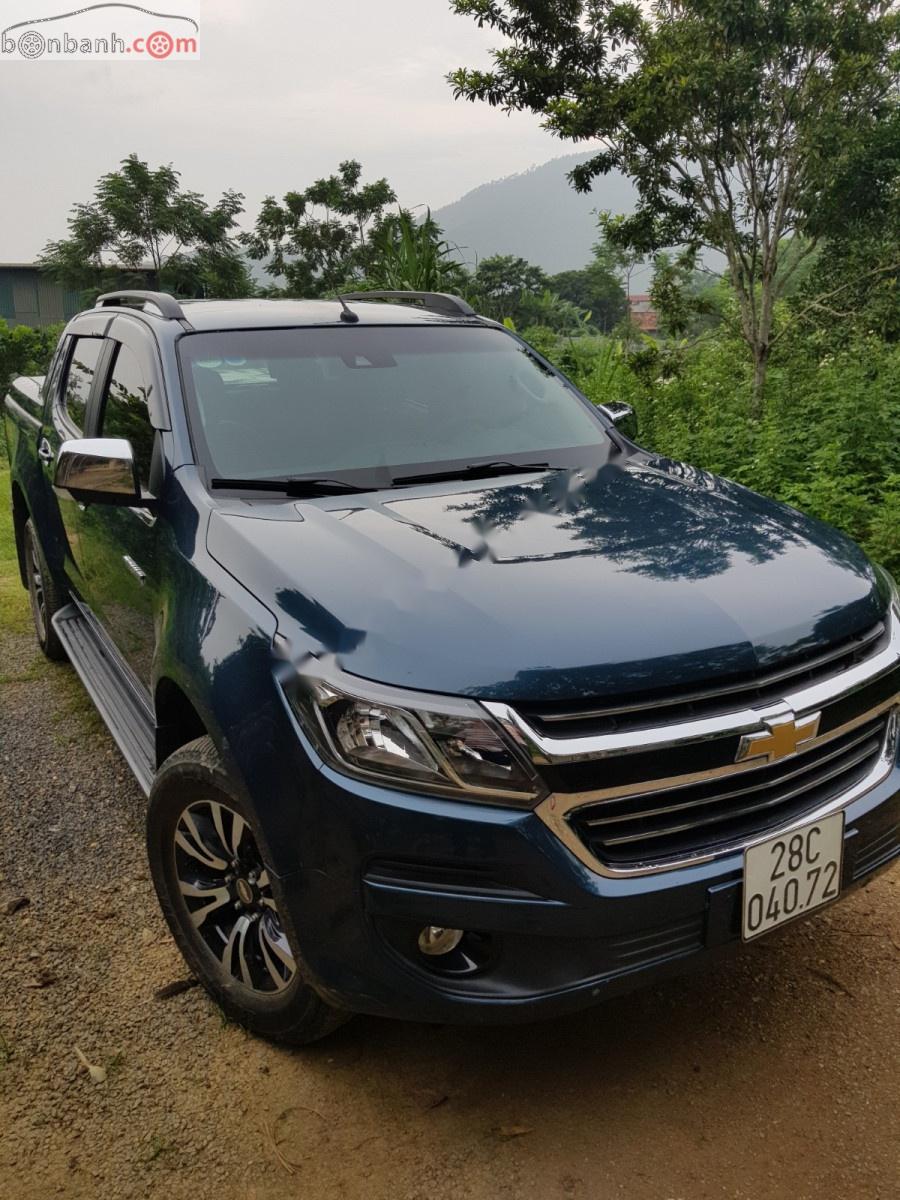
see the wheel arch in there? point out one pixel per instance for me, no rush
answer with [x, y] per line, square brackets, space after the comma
[178, 721]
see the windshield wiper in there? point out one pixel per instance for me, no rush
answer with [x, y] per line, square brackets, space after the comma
[301, 486]
[292, 487]
[474, 471]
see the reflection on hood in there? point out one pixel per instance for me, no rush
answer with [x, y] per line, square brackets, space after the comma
[570, 584]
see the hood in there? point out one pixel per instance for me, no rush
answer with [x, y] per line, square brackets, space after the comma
[556, 586]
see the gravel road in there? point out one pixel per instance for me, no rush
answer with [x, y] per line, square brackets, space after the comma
[775, 1074]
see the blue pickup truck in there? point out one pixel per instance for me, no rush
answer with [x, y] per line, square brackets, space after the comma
[451, 702]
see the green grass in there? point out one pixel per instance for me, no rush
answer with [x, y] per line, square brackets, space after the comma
[14, 614]
[75, 714]
[15, 617]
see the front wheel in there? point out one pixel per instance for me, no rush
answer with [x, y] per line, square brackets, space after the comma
[216, 894]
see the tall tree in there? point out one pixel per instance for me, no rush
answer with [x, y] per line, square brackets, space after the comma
[142, 227]
[502, 281]
[318, 240]
[854, 284]
[734, 118]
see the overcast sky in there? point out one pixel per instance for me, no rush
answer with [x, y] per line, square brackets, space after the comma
[281, 94]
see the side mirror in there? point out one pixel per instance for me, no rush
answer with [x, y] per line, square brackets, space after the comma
[99, 471]
[623, 417]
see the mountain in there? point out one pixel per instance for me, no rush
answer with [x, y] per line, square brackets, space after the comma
[537, 215]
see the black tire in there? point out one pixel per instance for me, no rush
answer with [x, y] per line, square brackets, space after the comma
[198, 828]
[46, 598]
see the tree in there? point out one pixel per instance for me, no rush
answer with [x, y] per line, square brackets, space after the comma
[408, 255]
[736, 119]
[688, 301]
[317, 240]
[854, 285]
[143, 229]
[502, 282]
[597, 288]
[622, 258]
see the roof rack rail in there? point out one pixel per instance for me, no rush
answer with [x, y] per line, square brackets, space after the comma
[166, 305]
[441, 302]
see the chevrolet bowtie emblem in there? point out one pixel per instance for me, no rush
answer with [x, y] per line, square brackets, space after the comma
[783, 736]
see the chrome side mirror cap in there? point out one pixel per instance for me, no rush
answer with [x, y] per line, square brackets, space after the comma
[623, 417]
[98, 471]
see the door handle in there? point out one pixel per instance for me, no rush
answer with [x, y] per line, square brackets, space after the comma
[45, 451]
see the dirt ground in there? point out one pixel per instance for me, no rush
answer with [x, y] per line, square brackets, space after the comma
[774, 1074]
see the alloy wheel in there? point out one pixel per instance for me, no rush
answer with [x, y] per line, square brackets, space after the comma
[228, 894]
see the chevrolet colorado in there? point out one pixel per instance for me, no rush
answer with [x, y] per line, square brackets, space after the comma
[452, 703]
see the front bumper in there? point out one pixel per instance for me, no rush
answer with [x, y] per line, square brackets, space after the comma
[548, 934]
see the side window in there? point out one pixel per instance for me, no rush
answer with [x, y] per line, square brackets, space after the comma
[82, 365]
[125, 412]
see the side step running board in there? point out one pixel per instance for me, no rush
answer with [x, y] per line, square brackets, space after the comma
[127, 715]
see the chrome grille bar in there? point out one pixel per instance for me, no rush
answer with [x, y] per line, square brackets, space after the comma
[818, 779]
[721, 797]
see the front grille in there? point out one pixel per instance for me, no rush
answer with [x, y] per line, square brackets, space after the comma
[692, 818]
[635, 788]
[725, 694]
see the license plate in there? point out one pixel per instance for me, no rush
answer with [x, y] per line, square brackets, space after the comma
[791, 874]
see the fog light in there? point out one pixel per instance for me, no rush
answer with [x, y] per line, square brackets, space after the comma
[435, 940]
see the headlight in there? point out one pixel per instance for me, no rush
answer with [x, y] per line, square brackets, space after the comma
[413, 740]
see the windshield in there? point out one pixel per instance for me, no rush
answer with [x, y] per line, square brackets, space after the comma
[385, 400]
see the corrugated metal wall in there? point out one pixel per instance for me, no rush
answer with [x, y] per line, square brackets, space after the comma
[28, 297]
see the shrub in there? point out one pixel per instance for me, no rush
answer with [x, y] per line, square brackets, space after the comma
[25, 351]
[827, 443]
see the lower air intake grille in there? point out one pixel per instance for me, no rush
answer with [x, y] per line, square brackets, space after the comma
[692, 818]
[877, 853]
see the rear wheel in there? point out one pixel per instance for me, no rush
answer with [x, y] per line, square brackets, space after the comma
[46, 598]
[218, 898]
